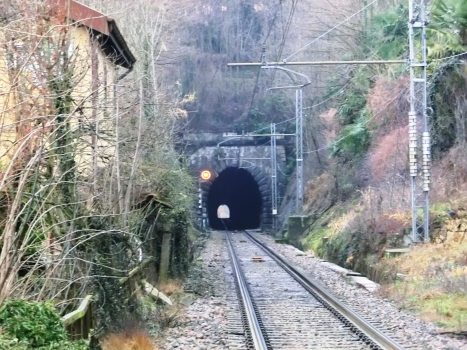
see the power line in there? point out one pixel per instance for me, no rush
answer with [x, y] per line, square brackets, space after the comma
[332, 29]
[262, 57]
[330, 97]
[287, 27]
[284, 36]
[446, 58]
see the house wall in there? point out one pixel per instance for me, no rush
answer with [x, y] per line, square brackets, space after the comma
[94, 96]
[7, 129]
[92, 107]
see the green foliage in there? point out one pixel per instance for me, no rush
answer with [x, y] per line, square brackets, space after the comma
[33, 325]
[272, 108]
[388, 33]
[257, 119]
[8, 343]
[290, 164]
[314, 240]
[181, 247]
[444, 131]
[37, 323]
[176, 188]
[447, 32]
[386, 38]
[447, 89]
[350, 109]
[353, 140]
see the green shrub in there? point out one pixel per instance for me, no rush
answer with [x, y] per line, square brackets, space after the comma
[9, 343]
[32, 325]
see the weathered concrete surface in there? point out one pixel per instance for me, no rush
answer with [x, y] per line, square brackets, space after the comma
[390, 253]
[206, 139]
[297, 225]
[248, 157]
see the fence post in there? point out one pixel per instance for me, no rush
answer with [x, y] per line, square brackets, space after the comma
[165, 257]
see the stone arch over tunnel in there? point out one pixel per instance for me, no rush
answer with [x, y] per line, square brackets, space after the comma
[247, 194]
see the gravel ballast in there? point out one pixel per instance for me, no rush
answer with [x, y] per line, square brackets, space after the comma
[405, 328]
[203, 324]
[211, 319]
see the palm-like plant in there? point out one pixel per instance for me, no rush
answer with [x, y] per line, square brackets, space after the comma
[389, 33]
[447, 32]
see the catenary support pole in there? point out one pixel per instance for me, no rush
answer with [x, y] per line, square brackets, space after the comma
[419, 133]
[273, 174]
[299, 148]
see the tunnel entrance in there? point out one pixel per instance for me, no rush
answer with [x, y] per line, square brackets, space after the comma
[236, 188]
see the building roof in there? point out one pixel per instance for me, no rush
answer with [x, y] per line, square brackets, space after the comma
[113, 43]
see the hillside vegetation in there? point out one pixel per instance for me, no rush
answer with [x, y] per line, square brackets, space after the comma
[361, 199]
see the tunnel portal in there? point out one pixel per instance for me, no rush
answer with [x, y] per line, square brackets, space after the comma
[236, 188]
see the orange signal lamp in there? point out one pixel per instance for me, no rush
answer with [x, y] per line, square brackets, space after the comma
[205, 175]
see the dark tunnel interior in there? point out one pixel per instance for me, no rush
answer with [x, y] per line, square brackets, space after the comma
[236, 188]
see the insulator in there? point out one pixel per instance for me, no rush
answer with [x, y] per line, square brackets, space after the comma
[426, 146]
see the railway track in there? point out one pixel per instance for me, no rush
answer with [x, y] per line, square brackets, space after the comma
[282, 308]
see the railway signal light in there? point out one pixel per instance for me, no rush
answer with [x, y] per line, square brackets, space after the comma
[205, 175]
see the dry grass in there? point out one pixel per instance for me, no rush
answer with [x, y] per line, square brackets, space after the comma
[171, 287]
[388, 156]
[331, 125]
[130, 341]
[340, 223]
[435, 282]
[319, 192]
[394, 115]
[427, 259]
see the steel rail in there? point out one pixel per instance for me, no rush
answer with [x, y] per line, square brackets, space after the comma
[254, 325]
[355, 321]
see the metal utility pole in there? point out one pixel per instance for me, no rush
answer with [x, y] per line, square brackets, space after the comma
[273, 174]
[299, 147]
[200, 205]
[419, 133]
[298, 130]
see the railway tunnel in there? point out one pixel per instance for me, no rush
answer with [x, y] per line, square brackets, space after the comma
[236, 188]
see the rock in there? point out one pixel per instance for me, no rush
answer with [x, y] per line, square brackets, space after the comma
[187, 300]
